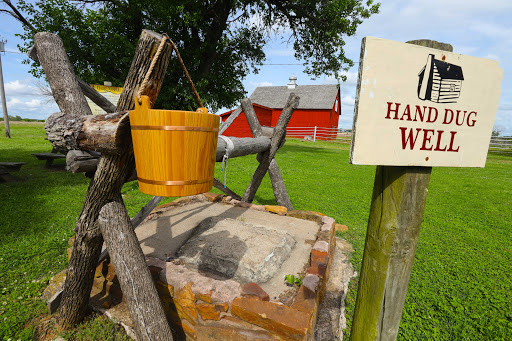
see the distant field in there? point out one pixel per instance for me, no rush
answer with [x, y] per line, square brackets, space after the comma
[461, 284]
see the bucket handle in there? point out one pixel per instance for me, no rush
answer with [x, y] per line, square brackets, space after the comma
[152, 65]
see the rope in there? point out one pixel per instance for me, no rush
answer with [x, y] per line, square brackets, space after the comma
[186, 74]
[229, 148]
[151, 66]
[153, 63]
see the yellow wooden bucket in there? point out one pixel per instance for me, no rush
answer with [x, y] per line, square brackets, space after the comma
[174, 150]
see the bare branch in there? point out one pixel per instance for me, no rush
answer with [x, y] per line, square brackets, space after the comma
[19, 16]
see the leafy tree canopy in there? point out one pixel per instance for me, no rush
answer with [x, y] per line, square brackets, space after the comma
[221, 41]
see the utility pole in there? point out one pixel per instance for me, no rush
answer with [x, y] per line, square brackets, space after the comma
[2, 91]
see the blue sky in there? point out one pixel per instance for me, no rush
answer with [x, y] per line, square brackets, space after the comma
[474, 27]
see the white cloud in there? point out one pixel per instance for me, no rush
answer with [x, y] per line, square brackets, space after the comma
[348, 100]
[351, 79]
[20, 88]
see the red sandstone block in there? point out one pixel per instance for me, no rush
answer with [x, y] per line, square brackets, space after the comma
[209, 311]
[281, 320]
[305, 301]
[189, 330]
[212, 197]
[186, 313]
[228, 333]
[255, 290]
[306, 215]
[318, 257]
[205, 297]
[340, 227]
[281, 210]
[318, 269]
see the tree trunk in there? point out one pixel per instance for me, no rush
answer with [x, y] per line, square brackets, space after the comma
[106, 185]
[60, 74]
[138, 288]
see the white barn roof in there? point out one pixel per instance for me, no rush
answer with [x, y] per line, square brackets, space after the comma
[311, 96]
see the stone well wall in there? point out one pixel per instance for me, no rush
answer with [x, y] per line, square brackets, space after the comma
[199, 307]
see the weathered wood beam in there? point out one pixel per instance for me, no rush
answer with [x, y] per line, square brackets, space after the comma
[278, 186]
[230, 120]
[112, 172]
[96, 97]
[242, 146]
[226, 190]
[78, 161]
[138, 288]
[60, 74]
[267, 158]
[252, 119]
[106, 133]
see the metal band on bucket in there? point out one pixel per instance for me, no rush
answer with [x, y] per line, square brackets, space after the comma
[174, 128]
[174, 183]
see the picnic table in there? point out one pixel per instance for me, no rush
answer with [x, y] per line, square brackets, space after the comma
[8, 167]
[49, 157]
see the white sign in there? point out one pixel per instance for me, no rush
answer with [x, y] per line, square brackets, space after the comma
[112, 93]
[417, 106]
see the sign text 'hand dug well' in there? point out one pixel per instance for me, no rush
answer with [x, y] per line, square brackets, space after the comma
[418, 106]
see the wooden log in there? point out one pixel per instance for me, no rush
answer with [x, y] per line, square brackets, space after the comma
[242, 146]
[112, 172]
[87, 90]
[230, 120]
[135, 221]
[220, 186]
[278, 187]
[138, 288]
[252, 119]
[78, 161]
[279, 135]
[396, 212]
[60, 75]
[106, 133]
[96, 97]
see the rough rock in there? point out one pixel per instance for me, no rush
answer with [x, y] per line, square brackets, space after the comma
[234, 249]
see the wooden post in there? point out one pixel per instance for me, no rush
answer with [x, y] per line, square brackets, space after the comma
[4, 102]
[266, 159]
[106, 185]
[142, 299]
[396, 212]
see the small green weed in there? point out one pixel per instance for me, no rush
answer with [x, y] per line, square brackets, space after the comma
[292, 280]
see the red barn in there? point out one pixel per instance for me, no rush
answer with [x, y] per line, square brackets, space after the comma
[319, 106]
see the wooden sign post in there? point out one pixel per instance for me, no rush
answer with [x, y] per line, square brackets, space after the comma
[406, 123]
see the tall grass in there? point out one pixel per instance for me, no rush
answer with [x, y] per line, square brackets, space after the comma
[461, 283]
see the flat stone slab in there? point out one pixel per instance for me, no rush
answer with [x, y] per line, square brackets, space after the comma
[164, 236]
[235, 249]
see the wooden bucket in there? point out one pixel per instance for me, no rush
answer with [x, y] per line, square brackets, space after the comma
[174, 150]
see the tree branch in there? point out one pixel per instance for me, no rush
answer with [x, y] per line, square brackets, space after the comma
[19, 16]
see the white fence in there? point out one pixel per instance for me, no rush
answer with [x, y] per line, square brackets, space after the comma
[498, 144]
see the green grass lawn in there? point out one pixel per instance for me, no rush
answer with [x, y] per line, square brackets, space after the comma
[461, 283]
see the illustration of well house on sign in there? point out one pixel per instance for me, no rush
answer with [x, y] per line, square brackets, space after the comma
[440, 81]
